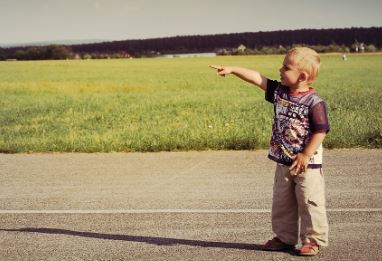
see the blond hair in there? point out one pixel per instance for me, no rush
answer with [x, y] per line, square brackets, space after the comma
[306, 60]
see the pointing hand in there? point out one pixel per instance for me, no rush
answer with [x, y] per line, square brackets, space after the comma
[221, 70]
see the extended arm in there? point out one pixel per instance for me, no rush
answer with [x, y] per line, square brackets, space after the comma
[245, 74]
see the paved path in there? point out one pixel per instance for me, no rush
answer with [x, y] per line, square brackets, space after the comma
[174, 206]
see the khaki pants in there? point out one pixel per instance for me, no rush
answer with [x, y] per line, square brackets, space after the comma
[299, 197]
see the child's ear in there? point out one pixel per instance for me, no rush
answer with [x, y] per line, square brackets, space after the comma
[304, 76]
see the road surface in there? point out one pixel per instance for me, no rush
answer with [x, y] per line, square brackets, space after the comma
[212, 205]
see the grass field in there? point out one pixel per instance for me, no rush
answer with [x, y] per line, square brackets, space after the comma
[172, 104]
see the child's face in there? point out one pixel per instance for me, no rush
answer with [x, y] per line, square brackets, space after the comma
[289, 73]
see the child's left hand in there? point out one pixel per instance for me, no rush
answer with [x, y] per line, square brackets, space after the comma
[300, 164]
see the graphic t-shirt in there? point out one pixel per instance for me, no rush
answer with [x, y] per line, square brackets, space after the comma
[297, 117]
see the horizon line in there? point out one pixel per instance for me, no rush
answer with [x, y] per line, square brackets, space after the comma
[90, 41]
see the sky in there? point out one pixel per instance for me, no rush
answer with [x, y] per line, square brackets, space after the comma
[26, 21]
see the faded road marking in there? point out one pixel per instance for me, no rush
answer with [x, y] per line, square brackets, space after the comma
[153, 211]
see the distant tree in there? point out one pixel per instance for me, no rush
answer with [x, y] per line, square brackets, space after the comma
[35, 53]
[20, 55]
[371, 48]
[3, 54]
[87, 56]
[51, 52]
[58, 52]
[267, 50]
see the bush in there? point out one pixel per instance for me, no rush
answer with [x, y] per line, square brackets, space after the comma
[371, 48]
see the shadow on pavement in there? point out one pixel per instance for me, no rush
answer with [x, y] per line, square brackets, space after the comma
[162, 241]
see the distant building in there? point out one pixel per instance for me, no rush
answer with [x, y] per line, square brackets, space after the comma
[188, 55]
[241, 48]
[362, 47]
[123, 54]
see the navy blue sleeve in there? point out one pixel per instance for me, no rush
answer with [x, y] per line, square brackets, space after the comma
[270, 92]
[318, 118]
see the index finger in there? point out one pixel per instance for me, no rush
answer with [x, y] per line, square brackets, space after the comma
[294, 165]
[216, 67]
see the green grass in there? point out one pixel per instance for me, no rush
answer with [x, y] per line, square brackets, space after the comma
[172, 104]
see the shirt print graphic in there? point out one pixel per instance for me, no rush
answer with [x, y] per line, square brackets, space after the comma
[290, 129]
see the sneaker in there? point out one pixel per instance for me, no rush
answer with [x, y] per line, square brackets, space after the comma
[275, 244]
[309, 249]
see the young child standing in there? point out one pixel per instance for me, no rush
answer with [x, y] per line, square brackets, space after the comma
[299, 128]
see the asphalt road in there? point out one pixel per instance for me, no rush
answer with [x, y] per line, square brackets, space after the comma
[174, 206]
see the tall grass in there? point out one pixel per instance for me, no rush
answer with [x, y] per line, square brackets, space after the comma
[171, 104]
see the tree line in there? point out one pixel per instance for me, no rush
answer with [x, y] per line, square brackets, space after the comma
[323, 40]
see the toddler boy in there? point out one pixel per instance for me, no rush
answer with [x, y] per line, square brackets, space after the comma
[299, 128]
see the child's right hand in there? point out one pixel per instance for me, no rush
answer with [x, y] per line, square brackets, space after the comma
[222, 70]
